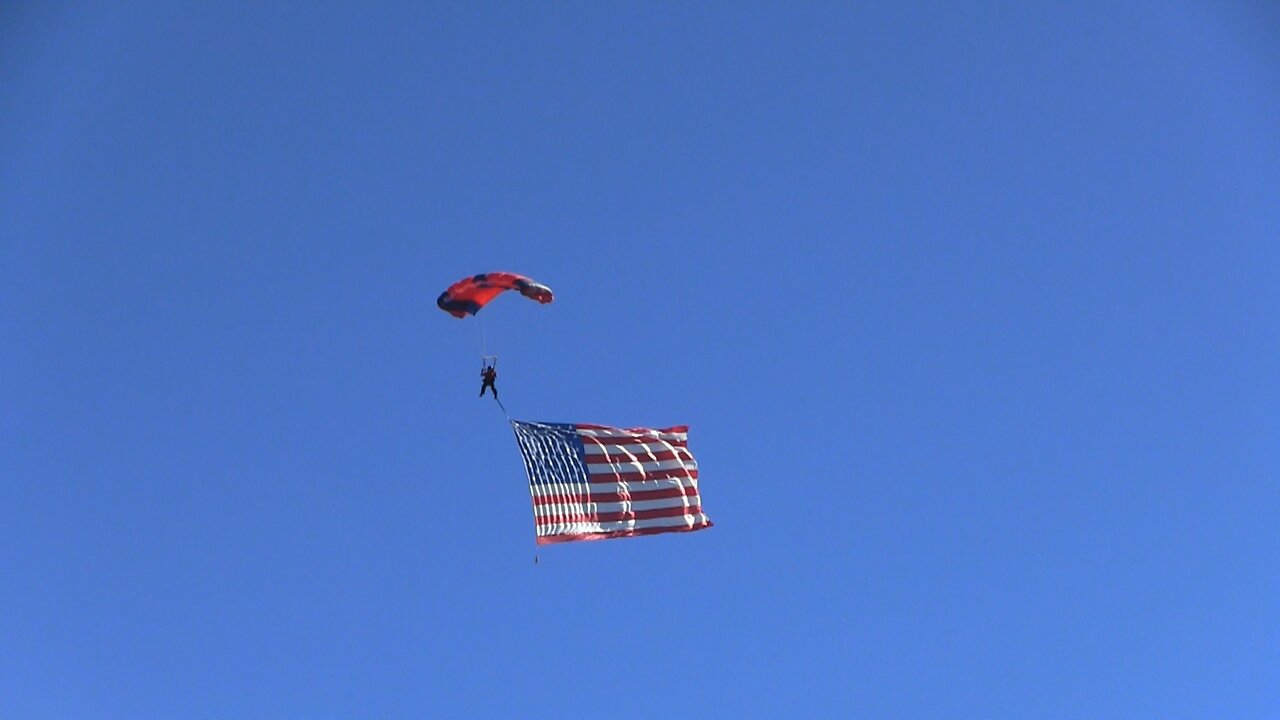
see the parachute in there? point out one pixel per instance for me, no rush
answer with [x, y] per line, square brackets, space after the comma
[468, 295]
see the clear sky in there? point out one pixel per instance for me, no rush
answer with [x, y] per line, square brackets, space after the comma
[972, 309]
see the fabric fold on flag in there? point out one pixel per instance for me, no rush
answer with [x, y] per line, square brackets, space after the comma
[593, 482]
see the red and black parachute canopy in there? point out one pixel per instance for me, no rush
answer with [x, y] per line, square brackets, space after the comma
[469, 294]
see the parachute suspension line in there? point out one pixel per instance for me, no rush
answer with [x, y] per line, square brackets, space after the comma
[486, 360]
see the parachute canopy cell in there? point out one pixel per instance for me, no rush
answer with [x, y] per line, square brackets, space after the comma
[468, 295]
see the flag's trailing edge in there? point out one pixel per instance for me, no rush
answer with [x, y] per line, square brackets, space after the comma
[592, 482]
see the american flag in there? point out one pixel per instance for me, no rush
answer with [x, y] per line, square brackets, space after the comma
[591, 482]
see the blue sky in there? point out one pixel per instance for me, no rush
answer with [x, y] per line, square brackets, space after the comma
[972, 312]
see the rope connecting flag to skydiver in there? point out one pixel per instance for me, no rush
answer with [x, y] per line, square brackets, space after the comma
[592, 482]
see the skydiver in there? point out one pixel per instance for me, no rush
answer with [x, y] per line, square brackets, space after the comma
[488, 375]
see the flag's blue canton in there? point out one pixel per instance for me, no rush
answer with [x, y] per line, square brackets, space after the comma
[553, 453]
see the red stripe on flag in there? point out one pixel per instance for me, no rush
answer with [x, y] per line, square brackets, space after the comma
[680, 429]
[641, 455]
[611, 442]
[670, 474]
[608, 497]
[630, 515]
